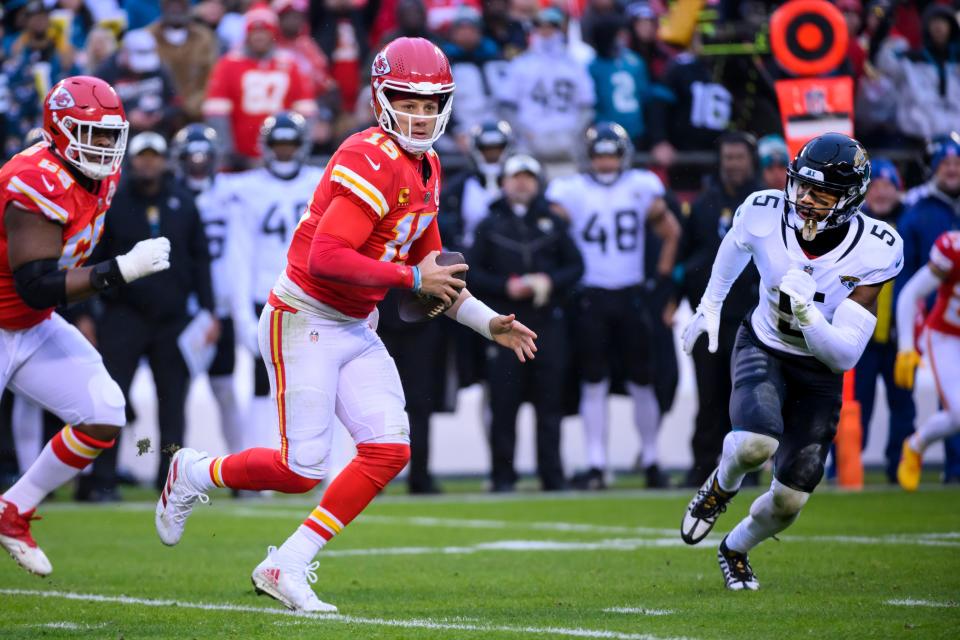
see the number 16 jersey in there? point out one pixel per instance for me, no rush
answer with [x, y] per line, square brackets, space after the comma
[871, 253]
[607, 221]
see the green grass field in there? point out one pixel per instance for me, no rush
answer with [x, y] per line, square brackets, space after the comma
[878, 564]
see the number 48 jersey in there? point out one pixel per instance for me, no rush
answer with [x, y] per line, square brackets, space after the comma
[871, 253]
[607, 221]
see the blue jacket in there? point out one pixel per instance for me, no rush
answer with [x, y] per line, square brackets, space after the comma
[919, 227]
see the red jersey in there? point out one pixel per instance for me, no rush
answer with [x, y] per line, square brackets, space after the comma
[945, 255]
[37, 180]
[393, 189]
[249, 90]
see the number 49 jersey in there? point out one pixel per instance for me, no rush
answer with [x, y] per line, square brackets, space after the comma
[608, 224]
[945, 255]
[870, 254]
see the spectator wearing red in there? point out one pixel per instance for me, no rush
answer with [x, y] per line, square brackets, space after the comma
[341, 29]
[252, 83]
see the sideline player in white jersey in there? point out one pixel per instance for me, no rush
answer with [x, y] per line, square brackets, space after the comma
[941, 340]
[195, 154]
[609, 208]
[54, 197]
[264, 206]
[822, 264]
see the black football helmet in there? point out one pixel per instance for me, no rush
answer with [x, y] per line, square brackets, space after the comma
[492, 134]
[284, 127]
[834, 163]
[195, 152]
[609, 138]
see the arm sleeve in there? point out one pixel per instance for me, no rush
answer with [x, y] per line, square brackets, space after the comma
[921, 285]
[429, 241]
[571, 264]
[730, 262]
[839, 345]
[483, 280]
[334, 256]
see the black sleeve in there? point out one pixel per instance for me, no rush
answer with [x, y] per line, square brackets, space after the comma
[200, 259]
[483, 280]
[571, 269]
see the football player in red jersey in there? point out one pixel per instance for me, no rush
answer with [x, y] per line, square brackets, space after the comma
[942, 349]
[373, 214]
[53, 196]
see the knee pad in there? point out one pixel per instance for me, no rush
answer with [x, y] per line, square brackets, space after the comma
[107, 404]
[382, 462]
[750, 449]
[804, 469]
[787, 502]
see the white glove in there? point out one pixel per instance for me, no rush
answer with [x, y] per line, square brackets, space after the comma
[705, 319]
[146, 257]
[801, 287]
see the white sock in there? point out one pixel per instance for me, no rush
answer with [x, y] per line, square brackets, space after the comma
[231, 421]
[301, 547]
[262, 429]
[27, 426]
[763, 520]
[937, 427]
[646, 417]
[49, 471]
[593, 411]
[199, 473]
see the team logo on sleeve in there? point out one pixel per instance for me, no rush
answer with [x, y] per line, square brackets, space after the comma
[381, 66]
[403, 199]
[61, 99]
[850, 282]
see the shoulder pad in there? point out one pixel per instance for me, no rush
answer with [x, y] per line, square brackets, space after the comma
[761, 212]
[879, 252]
[42, 186]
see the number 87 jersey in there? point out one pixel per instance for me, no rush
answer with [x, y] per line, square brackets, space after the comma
[870, 253]
[397, 191]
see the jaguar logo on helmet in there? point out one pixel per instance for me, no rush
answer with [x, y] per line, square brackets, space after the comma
[61, 99]
[381, 66]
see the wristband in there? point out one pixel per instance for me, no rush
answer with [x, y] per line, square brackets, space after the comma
[106, 275]
[416, 279]
[476, 315]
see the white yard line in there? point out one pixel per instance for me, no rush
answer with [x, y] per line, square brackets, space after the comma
[923, 603]
[639, 610]
[628, 544]
[344, 619]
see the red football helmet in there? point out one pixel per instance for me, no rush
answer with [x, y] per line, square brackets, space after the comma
[414, 66]
[74, 111]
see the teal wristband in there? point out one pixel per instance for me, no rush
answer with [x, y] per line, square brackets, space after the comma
[416, 279]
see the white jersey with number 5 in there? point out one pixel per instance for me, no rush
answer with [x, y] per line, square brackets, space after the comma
[608, 224]
[871, 253]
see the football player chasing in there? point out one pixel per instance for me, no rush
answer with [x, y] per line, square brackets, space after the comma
[822, 264]
[942, 350]
[372, 215]
[54, 196]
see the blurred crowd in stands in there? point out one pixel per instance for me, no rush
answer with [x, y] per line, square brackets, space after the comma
[532, 77]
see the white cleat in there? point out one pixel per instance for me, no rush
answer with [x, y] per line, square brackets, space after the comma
[288, 584]
[15, 537]
[178, 497]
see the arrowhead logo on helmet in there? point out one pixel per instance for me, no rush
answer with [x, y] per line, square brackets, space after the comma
[381, 66]
[61, 99]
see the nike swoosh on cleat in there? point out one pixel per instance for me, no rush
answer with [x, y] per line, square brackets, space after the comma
[375, 165]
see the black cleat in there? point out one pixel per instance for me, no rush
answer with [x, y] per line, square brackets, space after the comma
[703, 510]
[737, 572]
[589, 480]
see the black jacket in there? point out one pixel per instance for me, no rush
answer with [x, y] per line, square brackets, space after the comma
[509, 245]
[162, 296]
[710, 218]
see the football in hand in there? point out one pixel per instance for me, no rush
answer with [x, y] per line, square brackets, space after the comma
[417, 307]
